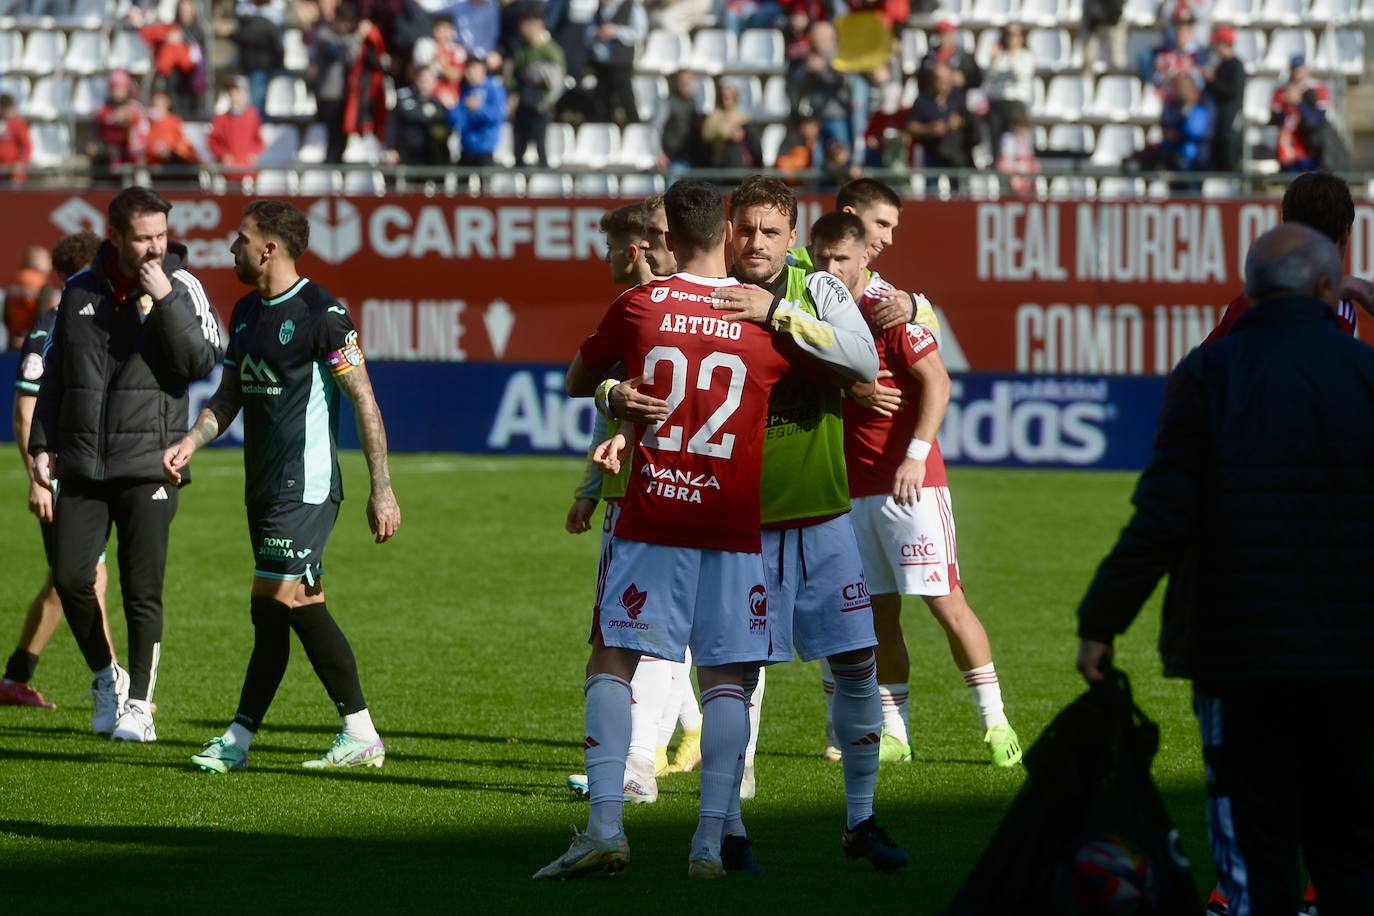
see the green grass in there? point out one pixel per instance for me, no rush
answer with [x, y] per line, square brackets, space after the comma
[469, 630]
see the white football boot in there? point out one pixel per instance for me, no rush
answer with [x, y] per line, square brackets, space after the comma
[111, 693]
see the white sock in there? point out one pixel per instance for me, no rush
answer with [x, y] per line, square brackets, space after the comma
[607, 743]
[667, 720]
[828, 685]
[724, 733]
[238, 735]
[858, 725]
[734, 818]
[650, 688]
[359, 725]
[895, 722]
[689, 713]
[755, 700]
[987, 694]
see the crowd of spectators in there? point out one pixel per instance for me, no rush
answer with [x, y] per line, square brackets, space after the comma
[437, 82]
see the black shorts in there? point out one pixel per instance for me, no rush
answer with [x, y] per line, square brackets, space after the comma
[288, 539]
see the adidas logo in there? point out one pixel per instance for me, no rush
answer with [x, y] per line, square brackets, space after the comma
[934, 577]
[161, 493]
[87, 309]
[869, 739]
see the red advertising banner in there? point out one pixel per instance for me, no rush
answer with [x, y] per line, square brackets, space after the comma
[1022, 286]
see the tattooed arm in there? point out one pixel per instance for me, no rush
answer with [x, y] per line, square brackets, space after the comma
[217, 416]
[383, 514]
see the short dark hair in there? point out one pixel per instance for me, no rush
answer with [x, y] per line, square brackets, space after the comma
[624, 222]
[75, 252]
[6, 101]
[836, 227]
[283, 222]
[758, 191]
[696, 215]
[135, 201]
[1322, 201]
[862, 192]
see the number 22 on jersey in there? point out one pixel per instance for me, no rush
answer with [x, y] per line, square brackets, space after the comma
[668, 438]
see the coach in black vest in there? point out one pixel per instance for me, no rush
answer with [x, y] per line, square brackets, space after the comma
[613, 39]
[1258, 503]
[134, 331]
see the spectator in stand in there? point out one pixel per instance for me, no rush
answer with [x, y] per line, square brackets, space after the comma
[885, 133]
[236, 135]
[15, 147]
[838, 167]
[179, 65]
[568, 20]
[818, 89]
[448, 61]
[1102, 18]
[350, 95]
[121, 125]
[1016, 156]
[940, 123]
[679, 124]
[1009, 82]
[536, 82]
[613, 37]
[947, 49]
[167, 141]
[478, 24]
[796, 35]
[1299, 110]
[479, 114]
[1189, 122]
[738, 15]
[724, 136]
[1225, 75]
[799, 150]
[1177, 56]
[679, 15]
[30, 294]
[894, 12]
[419, 124]
[257, 34]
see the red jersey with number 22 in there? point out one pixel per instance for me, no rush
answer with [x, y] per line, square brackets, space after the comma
[694, 481]
[874, 445]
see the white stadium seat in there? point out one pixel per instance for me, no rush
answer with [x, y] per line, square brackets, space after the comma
[364, 182]
[665, 51]
[595, 184]
[1141, 12]
[1341, 51]
[1220, 187]
[1120, 188]
[88, 95]
[558, 144]
[1066, 97]
[637, 185]
[1053, 49]
[1235, 12]
[651, 93]
[505, 184]
[1116, 97]
[11, 49]
[1140, 41]
[705, 95]
[713, 51]
[274, 181]
[313, 145]
[1040, 12]
[640, 146]
[128, 51]
[43, 52]
[1116, 143]
[1283, 12]
[280, 144]
[1259, 100]
[88, 14]
[504, 154]
[1071, 138]
[549, 184]
[1071, 187]
[51, 97]
[595, 146]
[776, 106]
[87, 52]
[362, 149]
[17, 86]
[986, 44]
[197, 132]
[914, 48]
[1284, 44]
[295, 54]
[52, 144]
[320, 182]
[761, 51]
[771, 143]
[1250, 45]
[994, 12]
[1336, 12]
[281, 97]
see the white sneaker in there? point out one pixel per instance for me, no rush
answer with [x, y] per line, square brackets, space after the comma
[747, 785]
[134, 724]
[110, 696]
[640, 789]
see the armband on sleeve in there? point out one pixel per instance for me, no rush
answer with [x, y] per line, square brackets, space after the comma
[602, 398]
[347, 358]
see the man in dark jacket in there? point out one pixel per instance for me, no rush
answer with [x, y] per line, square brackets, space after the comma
[419, 124]
[133, 332]
[1225, 74]
[1258, 503]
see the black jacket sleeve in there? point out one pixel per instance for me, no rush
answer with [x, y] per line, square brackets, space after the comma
[1228, 87]
[43, 430]
[1168, 508]
[187, 328]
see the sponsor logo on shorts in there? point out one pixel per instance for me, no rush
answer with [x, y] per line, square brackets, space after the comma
[632, 600]
[277, 548]
[921, 553]
[854, 596]
[934, 577]
[758, 608]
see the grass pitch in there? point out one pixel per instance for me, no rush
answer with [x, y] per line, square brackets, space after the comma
[469, 630]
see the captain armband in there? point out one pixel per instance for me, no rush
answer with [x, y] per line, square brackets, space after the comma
[347, 358]
[602, 398]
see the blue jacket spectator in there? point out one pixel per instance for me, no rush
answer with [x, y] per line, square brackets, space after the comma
[479, 114]
[478, 24]
[1189, 121]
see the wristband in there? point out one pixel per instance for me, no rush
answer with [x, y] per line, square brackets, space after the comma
[602, 398]
[919, 449]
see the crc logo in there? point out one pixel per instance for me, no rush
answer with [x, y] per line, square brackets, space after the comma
[632, 600]
[75, 214]
[855, 591]
[658, 294]
[187, 215]
[923, 549]
[336, 229]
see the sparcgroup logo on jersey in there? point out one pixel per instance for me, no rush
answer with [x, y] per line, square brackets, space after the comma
[336, 229]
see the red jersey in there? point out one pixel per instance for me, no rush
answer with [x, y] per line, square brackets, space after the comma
[1345, 317]
[694, 481]
[874, 445]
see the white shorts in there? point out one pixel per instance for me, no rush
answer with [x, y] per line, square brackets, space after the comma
[817, 598]
[908, 550]
[660, 601]
[608, 520]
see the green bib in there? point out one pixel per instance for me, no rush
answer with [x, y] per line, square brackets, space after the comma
[803, 445]
[613, 486]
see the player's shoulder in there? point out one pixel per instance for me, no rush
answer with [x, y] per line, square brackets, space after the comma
[84, 280]
[826, 287]
[43, 325]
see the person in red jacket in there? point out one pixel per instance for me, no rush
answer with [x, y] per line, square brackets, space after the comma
[15, 146]
[167, 140]
[236, 135]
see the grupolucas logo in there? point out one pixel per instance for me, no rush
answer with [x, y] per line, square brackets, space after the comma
[632, 600]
